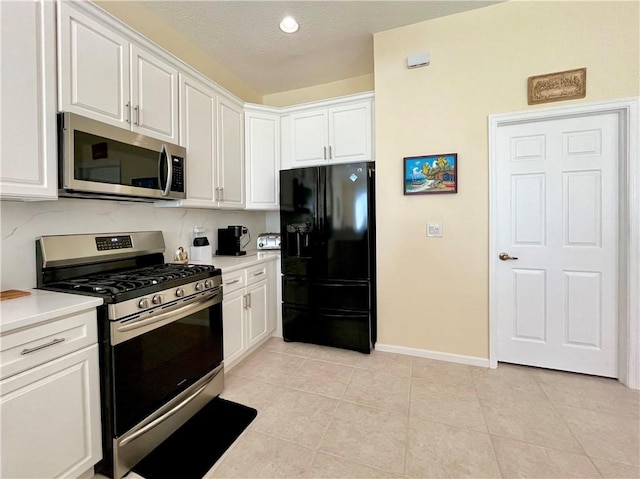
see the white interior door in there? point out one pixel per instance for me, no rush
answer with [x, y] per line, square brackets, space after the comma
[557, 218]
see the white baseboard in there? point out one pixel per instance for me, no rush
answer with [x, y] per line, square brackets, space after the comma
[437, 355]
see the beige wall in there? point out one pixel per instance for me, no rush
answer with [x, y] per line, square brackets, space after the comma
[359, 84]
[149, 25]
[433, 293]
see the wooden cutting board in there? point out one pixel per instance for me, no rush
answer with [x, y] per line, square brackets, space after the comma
[13, 293]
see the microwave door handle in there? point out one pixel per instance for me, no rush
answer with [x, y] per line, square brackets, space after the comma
[165, 150]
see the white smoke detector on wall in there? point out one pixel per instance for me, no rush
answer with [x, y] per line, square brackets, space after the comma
[418, 59]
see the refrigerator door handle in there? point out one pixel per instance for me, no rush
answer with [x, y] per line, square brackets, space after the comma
[317, 220]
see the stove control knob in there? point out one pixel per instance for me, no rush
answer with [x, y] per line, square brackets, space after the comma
[143, 303]
[157, 299]
[180, 292]
[208, 284]
[199, 286]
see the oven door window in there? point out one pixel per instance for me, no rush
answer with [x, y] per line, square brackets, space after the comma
[153, 368]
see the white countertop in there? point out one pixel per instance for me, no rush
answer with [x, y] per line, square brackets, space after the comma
[232, 263]
[41, 306]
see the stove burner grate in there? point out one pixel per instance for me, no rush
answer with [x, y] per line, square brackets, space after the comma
[131, 280]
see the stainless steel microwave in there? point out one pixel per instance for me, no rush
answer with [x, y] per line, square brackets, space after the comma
[97, 160]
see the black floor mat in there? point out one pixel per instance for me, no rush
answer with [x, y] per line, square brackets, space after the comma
[193, 449]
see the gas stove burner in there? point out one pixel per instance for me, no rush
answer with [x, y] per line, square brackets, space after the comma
[124, 284]
[77, 264]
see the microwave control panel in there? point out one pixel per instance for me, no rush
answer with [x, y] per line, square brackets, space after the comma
[177, 183]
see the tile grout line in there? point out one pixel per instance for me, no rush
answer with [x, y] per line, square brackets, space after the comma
[406, 434]
[484, 418]
[567, 425]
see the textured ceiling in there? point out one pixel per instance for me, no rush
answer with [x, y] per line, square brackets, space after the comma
[334, 42]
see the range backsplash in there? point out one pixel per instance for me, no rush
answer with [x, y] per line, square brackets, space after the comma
[21, 223]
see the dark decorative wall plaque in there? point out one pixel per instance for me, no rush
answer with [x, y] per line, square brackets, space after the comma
[557, 86]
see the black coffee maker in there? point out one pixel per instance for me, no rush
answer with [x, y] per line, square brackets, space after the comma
[229, 241]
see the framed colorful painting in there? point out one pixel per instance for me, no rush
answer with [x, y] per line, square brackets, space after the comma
[433, 174]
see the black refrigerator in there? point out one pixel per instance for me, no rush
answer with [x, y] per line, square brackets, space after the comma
[327, 227]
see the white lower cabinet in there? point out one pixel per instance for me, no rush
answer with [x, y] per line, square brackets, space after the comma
[257, 311]
[233, 326]
[248, 310]
[50, 400]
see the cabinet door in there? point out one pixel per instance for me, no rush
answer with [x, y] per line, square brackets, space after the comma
[230, 154]
[262, 154]
[350, 133]
[94, 69]
[273, 297]
[309, 138]
[198, 114]
[28, 152]
[51, 418]
[257, 312]
[233, 327]
[154, 96]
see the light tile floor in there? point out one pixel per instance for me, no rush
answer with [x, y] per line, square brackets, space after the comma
[331, 413]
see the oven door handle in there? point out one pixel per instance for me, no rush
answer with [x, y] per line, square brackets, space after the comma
[162, 418]
[181, 312]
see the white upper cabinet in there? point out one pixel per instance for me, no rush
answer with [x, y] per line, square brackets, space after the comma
[309, 137]
[94, 69]
[335, 131]
[211, 129]
[28, 153]
[230, 154]
[262, 158]
[104, 76]
[154, 95]
[198, 124]
[350, 137]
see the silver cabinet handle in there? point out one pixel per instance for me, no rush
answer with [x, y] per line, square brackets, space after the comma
[42, 346]
[258, 273]
[330, 152]
[248, 300]
[128, 108]
[137, 112]
[325, 152]
[245, 302]
[233, 282]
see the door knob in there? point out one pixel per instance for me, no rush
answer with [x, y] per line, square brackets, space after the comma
[505, 257]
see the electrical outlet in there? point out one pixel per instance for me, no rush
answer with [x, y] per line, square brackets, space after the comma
[434, 230]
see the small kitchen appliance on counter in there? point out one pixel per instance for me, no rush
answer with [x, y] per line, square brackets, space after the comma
[201, 248]
[229, 241]
[268, 241]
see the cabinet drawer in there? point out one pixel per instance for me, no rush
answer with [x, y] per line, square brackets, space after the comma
[233, 281]
[27, 348]
[256, 273]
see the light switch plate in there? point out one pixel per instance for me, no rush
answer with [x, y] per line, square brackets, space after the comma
[434, 230]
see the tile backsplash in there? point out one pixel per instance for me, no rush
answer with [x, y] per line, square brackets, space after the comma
[22, 222]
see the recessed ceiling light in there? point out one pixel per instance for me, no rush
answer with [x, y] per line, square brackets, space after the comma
[289, 25]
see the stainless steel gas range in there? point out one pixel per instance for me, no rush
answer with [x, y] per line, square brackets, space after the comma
[160, 332]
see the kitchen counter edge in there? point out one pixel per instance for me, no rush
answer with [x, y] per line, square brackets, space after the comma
[41, 306]
[232, 263]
